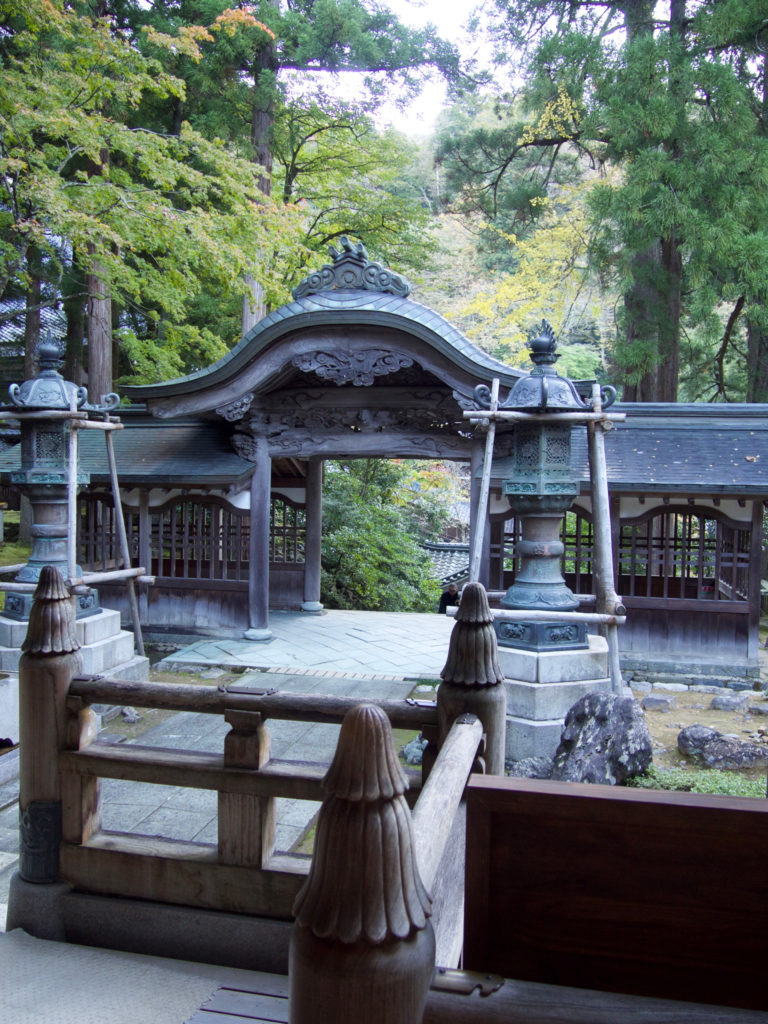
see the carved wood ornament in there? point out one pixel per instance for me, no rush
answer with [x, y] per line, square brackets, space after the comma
[362, 947]
[472, 677]
[357, 368]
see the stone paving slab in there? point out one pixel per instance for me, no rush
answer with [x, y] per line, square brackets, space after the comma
[371, 644]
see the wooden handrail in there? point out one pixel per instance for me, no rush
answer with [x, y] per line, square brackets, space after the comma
[436, 807]
[210, 700]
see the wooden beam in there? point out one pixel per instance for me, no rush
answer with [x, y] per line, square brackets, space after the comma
[293, 707]
[166, 871]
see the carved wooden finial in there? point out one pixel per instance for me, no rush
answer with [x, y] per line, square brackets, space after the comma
[365, 765]
[51, 627]
[473, 651]
[364, 884]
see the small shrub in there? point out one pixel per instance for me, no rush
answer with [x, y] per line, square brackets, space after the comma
[710, 781]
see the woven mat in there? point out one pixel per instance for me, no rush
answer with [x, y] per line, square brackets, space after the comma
[58, 983]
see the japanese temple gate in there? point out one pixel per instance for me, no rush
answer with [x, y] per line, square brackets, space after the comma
[222, 474]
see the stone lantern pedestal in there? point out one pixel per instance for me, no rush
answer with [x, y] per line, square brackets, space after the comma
[43, 477]
[548, 664]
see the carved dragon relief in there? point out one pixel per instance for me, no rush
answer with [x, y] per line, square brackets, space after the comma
[357, 368]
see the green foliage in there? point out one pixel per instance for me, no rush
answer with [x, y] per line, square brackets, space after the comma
[673, 97]
[705, 781]
[371, 558]
[350, 178]
[160, 218]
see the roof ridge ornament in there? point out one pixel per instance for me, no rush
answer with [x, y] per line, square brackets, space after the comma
[352, 269]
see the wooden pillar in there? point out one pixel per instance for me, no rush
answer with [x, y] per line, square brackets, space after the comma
[473, 681]
[246, 821]
[753, 584]
[314, 535]
[258, 574]
[145, 553]
[362, 947]
[47, 665]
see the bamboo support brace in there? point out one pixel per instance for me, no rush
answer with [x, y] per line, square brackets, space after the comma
[533, 615]
[509, 415]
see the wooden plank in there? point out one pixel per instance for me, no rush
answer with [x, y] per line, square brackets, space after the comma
[621, 890]
[436, 807]
[248, 1005]
[448, 895]
[292, 707]
[520, 1002]
[299, 780]
[151, 868]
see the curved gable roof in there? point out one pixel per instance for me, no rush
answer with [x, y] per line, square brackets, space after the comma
[371, 299]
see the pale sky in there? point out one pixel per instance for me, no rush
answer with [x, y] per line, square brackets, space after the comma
[450, 17]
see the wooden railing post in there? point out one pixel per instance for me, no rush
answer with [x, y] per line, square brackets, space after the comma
[48, 663]
[473, 681]
[362, 948]
[246, 822]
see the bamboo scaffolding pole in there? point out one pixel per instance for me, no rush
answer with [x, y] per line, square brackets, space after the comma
[601, 520]
[539, 615]
[481, 512]
[510, 415]
[72, 497]
[97, 425]
[109, 575]
[123, 539]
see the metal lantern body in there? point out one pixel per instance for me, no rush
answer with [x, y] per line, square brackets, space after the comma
[540, 487]
[44, 474]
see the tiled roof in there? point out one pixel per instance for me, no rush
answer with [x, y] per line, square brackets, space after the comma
[358, 307]
[163, 454]
[450, 562]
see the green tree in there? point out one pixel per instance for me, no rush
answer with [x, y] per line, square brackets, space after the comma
[159, 222]
[371, 555]
[350, 178]
[254, 86]
[645, 88]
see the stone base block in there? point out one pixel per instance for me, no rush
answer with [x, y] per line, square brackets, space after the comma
[101, 626]
[556, 666]
[526, 738]
[9, 708]
[103, 655]
[546, 701]
[9, 659]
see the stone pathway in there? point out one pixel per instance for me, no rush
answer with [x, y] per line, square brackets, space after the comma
[370, 644]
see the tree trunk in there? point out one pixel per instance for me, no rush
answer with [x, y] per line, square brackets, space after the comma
[74, 310]
[265, 67]
[31, 325]
[99, 338]
[757, 362]
[653, 301]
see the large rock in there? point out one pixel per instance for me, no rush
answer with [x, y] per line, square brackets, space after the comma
[605, 740]
[713, 749]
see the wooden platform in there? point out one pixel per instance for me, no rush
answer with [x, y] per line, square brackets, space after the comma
[266, 1002]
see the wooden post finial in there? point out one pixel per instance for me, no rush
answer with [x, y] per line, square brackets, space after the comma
[472, 651]
[472, 675]
[363, 947]
[364, 882]
[51, 627]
